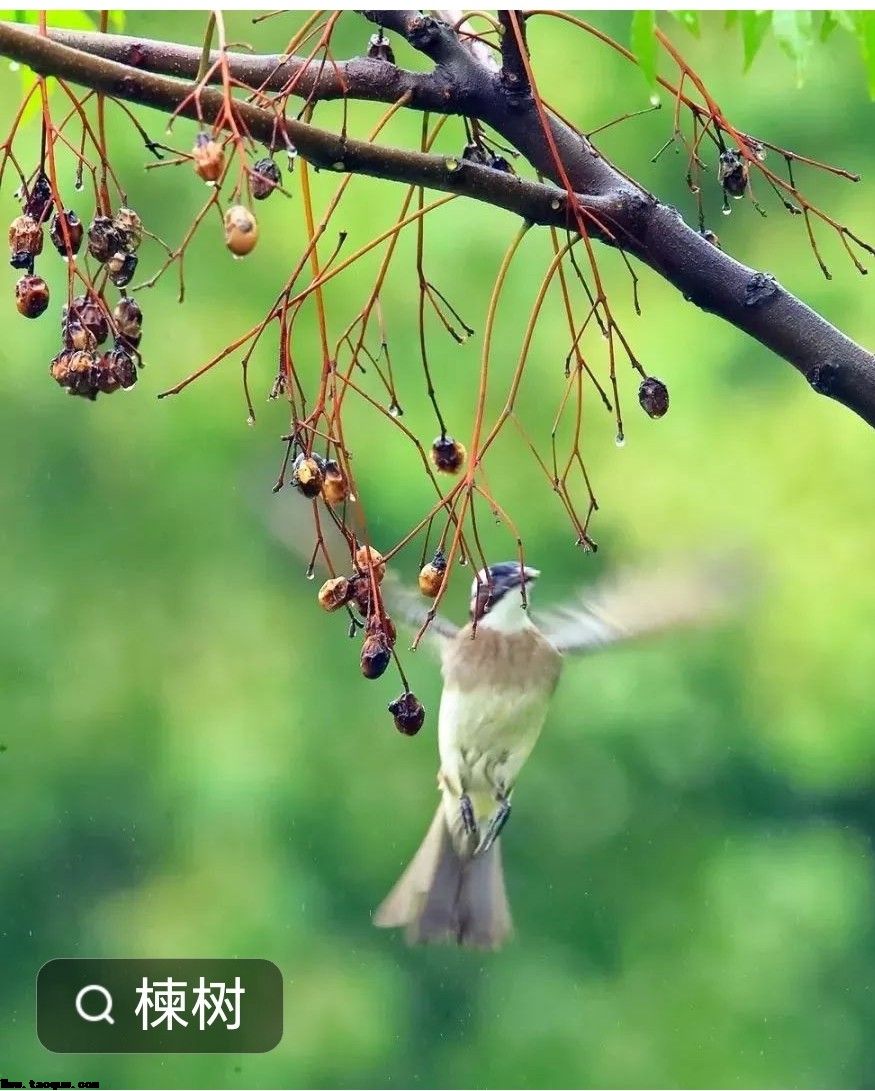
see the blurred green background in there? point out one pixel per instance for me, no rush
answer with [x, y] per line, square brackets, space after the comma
[192, 765]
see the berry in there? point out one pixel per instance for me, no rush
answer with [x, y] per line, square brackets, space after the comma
[335, 487]
[130, 228]
[432, 575]
[104, 240]
[376, 655]
[334, 593]
[121, 366]
[448, 455]
[25, 241]
[408, 712]
[31, 296]
[121, 268]
[39, 201]
[209, 158]
[379, 48]
[84, 311]
[366, 557]
[241, 230]
[732, 173]
[128, 319]
[307, 475]
[75, 233]
[264, 178]
[653, 397]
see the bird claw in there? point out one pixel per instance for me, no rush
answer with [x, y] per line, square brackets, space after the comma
[466, 810]
[496, 824]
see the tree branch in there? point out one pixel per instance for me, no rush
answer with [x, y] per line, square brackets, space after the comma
[750, 300]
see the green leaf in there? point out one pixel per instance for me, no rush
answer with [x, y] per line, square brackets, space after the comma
[794, 33]
[643, 43]
[864, 29]
[754, 27]
[688, 19]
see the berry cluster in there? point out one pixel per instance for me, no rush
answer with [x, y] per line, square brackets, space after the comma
[81, 367]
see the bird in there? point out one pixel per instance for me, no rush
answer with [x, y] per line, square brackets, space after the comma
[500, 671]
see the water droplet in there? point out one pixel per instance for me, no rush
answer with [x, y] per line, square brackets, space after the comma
[395, 410]
[620, 440]
[737, 196]
[310, 574]
[451, 164]
[14, 66]
[250, 420]
[463, 561]
[555, 203]
[339, 165]
[655, 100]
[726, 210]
[352, 498]
[78, 184]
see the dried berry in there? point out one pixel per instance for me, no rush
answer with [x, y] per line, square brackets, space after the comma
[380, 49]
[39, 200]
[307, 474]
[103, 239]
[366, 557]
[121, 268]
[130, 228]
[31, 296]
[360, 594]
[241, 230]
[75, 232]
[448, 455]
[711, 236]
[335, 487]
[732, 173]
[122, 367]
[25, 241]
[60, 368]
[84, 311]
[128, 319]
[104, 377]
[432, 575]
[264, 179]
[376, 655]
[209, 158]
[653, 397]
[83, 371]
[334, 593]
[409, 713]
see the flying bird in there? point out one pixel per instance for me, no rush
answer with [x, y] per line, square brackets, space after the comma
[499, 674]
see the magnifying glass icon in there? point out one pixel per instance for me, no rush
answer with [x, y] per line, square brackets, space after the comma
[100, 1016]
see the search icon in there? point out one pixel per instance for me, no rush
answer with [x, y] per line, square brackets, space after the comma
[103, 1015]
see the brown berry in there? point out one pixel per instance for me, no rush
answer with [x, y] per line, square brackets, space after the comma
[379, 48]
[264, 178]
[39, 201]
[121, 366]
[409, 713]
[104, 377]
[130, 228]
[366, 557]
[121, 268]
[86, 312]
[376, 655]
[335, 487]
[732, 173]
[209, 158]
[384, 626]
[307, 474]
[83, 371]
[334, 593]
[60, 368]
[31, 296]
[241, 230]
[360, 594]
[128, 319]
[448, 455]
[653, 397]
[103, 239]
[25, 241]
[432, 575]
[75, 233]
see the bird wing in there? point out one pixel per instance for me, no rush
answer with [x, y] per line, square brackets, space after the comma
[641, 602]
[405, 604]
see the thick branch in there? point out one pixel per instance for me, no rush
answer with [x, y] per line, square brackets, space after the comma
[832, 363]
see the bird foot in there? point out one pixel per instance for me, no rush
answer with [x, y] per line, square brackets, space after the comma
[496, 824]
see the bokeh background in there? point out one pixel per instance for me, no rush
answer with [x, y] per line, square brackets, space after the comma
[192, 765]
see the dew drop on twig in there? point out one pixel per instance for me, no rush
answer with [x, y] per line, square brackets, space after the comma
[620, 440]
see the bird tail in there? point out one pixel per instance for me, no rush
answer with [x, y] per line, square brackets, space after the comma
[445, 897]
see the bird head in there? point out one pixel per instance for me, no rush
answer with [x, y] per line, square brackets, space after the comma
[497, 595]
